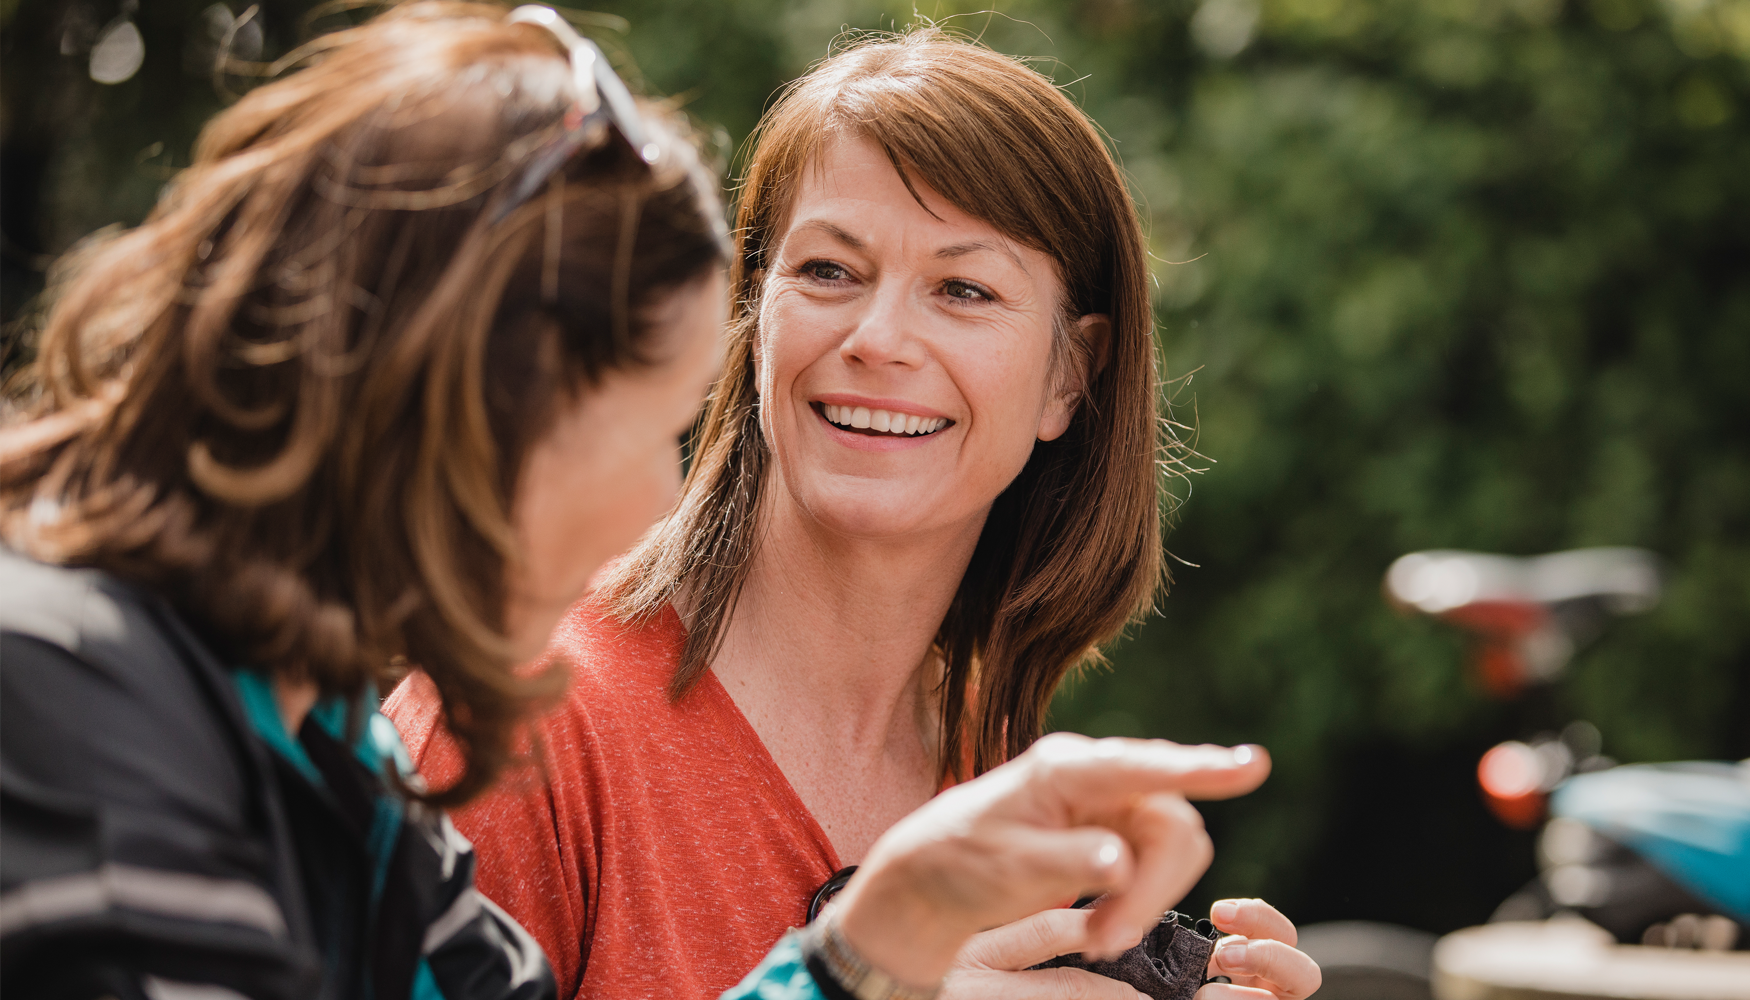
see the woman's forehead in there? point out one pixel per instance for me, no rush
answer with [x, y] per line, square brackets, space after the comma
[852, 191]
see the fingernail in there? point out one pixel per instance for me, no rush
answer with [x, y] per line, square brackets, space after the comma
[1106, 856]
[1234, 955]
[1225, 912]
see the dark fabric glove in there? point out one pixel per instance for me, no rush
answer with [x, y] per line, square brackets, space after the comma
[1168, 964]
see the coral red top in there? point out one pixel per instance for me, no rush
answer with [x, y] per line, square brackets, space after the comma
[665, 853]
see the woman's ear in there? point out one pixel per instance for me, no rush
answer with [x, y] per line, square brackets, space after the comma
[1090, 345]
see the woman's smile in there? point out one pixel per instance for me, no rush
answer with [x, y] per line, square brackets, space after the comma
[878, 424]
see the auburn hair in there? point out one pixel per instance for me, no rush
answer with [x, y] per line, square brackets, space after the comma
[296, 400]
[1071, 551]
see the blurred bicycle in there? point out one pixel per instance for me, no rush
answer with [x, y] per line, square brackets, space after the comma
[1655, 854]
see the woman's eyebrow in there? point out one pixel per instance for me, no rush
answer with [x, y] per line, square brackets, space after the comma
[837, 232]
[980, 246]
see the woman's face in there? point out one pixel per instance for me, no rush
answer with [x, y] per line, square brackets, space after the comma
[609, 466]
[904, 353]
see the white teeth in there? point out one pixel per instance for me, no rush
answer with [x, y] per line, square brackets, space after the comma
[885, 421]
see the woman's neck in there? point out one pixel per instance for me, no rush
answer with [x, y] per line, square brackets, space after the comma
[828, 655]
[295, 698]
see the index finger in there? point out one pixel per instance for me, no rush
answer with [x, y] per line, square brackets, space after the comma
[1099, 772]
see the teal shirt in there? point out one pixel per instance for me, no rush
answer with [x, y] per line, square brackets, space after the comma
[782, 976]
[379, 749]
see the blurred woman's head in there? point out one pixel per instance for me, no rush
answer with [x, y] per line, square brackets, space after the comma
[349, 395]
[933, 238]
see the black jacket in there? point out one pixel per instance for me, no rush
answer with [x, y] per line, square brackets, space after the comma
[161, 834]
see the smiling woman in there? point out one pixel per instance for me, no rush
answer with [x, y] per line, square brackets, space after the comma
[1019, 234]
[889, 303]
[925, 489]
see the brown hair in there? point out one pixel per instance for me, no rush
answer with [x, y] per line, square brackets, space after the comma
[1071, 551]
[296, 400]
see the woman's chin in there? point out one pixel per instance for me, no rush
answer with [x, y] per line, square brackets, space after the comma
[886, 515]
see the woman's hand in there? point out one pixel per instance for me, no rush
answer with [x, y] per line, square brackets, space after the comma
[1262, 960]
[987, 967]
[1270, 969]
[1070, 817]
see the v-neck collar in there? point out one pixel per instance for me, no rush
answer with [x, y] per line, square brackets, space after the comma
[753, 749]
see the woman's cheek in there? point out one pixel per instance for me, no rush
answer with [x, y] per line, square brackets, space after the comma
[665, 482]
[642, 494]
[1005, 391]
[795, 333]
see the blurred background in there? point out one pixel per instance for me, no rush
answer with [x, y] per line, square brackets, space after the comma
[1432, 274]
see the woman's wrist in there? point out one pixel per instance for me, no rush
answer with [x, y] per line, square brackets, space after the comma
[845, 973]
[894, 929]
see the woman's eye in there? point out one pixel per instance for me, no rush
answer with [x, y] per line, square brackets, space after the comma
[825, 270]
[966, 290]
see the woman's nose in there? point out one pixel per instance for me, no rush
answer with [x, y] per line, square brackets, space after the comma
[886, 333]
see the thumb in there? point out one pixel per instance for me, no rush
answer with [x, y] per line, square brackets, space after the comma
[1026, 942]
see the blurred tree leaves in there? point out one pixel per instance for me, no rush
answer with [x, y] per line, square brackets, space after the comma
[76, 154]
[1476, 277]
[1449, 273]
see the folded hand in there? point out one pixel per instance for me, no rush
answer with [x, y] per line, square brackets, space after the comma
[1261, 958]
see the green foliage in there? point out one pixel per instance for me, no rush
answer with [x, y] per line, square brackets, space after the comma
[1469, 275]
[1449, 273]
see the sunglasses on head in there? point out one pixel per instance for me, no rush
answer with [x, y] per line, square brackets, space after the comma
[602, 100]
